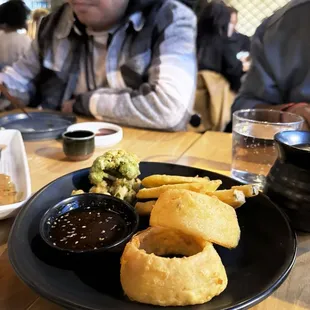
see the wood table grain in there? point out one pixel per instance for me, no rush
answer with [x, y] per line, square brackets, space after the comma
[47, 160]
[211, 151]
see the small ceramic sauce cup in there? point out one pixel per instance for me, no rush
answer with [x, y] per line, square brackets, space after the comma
[78, 145]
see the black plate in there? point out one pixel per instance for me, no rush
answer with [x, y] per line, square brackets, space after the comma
[41, 125]
[256, 268]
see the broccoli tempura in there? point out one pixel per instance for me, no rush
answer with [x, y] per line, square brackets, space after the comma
[115, 163]
[125, 189]
[101, 188]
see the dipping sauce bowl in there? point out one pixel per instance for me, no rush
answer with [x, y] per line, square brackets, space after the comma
[89, 223]
[78, 145]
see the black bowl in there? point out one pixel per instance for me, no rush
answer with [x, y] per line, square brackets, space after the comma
[293, 137]
[96, 201]
[287, 183]
[289, 148]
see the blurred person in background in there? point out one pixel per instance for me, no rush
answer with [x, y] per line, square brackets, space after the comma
[215, 52]
[131, 62]
[33, 24]
[241, 42]
[13, 17]
[219, 70]
[279, 77]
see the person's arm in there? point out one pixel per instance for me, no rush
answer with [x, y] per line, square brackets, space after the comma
[246, 43]
[25, 45]
[165, 100]
[18, 78]
[232, 67]
[259, 87]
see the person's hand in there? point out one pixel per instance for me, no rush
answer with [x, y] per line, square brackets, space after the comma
[4, 103]
[245, 58]
[246, 63]
[304, 111]
[246, 66]
[67, 106]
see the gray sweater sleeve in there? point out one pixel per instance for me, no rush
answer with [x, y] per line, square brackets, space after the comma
[166, 99]
[18, 78]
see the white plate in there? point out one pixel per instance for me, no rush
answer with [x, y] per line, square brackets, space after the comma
[14, 163]
[101, 141]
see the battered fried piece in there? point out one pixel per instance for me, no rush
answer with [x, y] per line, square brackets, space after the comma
[147, 277]
[101, 188]
[114, 164]
[163, 179]
[149, 193]
[250, 190]
[145, 208]
[198, 215]
[115, 173]
[125, 189]
[232, 197]
[77, 192]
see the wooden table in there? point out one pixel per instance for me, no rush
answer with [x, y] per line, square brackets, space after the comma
[211, 151]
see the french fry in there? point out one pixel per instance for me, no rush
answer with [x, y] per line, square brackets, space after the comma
[145, 208]
[149, 193]
[157, 180]
[232, 197]
[250, 190]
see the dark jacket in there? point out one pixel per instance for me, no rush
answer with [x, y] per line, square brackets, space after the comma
[218, 55]
[280, 71]
[240, 42]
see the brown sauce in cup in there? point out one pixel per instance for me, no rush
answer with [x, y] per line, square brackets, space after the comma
[105, 132]
[87, 229]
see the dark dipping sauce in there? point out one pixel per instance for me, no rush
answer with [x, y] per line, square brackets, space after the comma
[87, 229]
[105, 132]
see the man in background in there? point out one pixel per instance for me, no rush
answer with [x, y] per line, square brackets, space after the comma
[126, 61]
[279, 77]
[241, 42]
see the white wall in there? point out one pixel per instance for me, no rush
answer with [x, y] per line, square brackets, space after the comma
[252, 12]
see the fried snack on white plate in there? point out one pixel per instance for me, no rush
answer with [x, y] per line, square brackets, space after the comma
[145, 208]
[232, 197]
[148, 277]
[198, 215]
[249, 191]
[154, 192]
[156, 180]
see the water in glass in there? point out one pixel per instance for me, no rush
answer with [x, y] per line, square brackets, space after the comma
[254, 151]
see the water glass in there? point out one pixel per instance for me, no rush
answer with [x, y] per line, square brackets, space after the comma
[254, 150]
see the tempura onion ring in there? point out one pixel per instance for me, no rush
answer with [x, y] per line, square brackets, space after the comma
[148, 277]
[197, 215]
